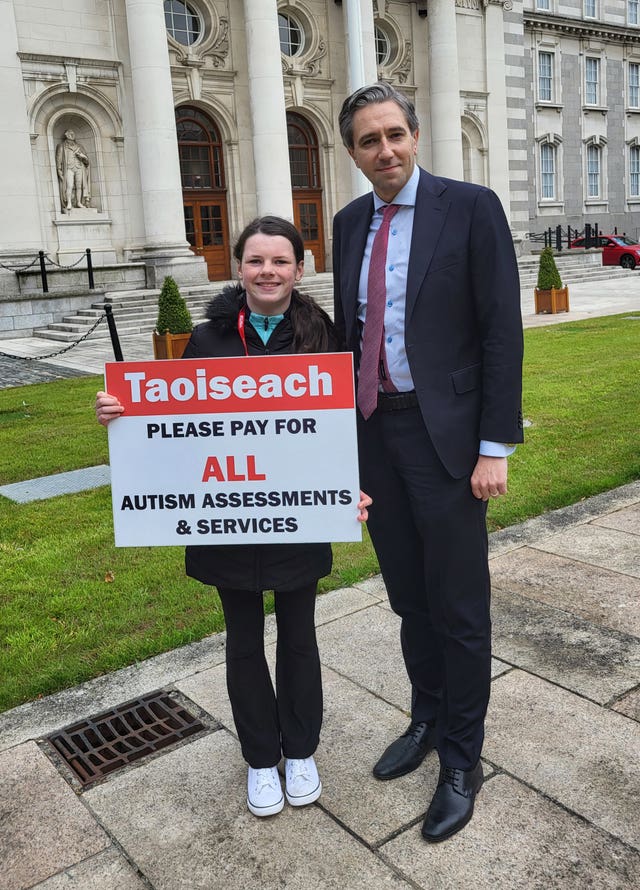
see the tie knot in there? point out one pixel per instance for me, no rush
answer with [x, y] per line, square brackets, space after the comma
[389, 211]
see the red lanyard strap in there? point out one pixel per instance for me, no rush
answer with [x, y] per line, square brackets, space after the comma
[241, 320]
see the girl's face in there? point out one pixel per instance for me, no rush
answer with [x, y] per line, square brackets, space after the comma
[269, 272]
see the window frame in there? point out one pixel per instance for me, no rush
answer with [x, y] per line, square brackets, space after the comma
[633, 20]
[595, 151]
[551, 151]
[550, 55]
[634, 162]
[633, 84]
[191, 12]
[298, 26]
[596, 98]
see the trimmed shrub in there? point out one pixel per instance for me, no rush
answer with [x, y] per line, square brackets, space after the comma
[548, 275]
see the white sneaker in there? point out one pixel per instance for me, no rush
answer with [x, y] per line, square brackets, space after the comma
[264, 791]
[303, 783]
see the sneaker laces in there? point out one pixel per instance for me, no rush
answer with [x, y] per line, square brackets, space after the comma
[264, 779]
[298, 769]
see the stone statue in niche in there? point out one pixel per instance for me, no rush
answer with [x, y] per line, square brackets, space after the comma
[73, 166]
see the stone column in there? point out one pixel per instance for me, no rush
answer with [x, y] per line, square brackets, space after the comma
[166, 251]
[444, 90]
[21, 235]
[362, 68]
[497, 126]
[268, 115]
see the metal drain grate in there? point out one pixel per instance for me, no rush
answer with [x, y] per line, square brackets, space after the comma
[97, 746]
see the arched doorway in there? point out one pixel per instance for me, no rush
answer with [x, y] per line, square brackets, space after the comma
[204, 190]
[305, 180]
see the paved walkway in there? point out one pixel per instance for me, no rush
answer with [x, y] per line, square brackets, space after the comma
[559, 808]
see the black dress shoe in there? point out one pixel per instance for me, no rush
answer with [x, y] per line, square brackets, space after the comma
[452, 804]
[406, 753]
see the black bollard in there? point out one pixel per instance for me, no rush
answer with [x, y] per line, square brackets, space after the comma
[90, 269]
[43, 272]
[113, 333]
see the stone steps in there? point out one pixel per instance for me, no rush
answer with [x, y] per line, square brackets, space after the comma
[135, 311]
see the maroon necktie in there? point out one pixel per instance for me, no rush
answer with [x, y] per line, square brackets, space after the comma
[368, 378]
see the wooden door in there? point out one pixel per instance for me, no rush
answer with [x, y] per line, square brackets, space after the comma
[206, 224]
[307, 216]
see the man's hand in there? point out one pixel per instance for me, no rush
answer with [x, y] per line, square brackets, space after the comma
[489, 478]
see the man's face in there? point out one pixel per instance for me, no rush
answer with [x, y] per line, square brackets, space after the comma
[70, 135]
[383, 147]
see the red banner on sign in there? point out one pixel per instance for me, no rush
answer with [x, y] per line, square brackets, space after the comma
[317, 381]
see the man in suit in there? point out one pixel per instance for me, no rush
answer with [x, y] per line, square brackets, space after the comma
[435, 434]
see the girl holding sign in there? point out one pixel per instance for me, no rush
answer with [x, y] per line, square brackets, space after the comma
[265, 314]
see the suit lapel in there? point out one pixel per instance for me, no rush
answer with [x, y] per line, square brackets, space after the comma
[430, 214]
[356, 229]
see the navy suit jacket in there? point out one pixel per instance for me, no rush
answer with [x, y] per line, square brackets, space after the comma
[463, 328]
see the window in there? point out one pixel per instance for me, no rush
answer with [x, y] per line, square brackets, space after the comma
[592, 81]
[547, 171]
[200, 150]
[634, 171]
[590, 9]
[543, 4]
[545, 77]
[291, 35]
[634, 85]
[383, 46]
[633, 12]
[182, 22]
[593, 171]
[303, 152]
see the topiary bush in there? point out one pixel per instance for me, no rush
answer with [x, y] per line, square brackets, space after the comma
[548, 275]
[173, 313]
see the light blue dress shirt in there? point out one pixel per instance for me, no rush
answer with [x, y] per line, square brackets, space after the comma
[397, 268]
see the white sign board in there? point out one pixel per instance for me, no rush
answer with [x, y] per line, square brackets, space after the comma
[235, 450]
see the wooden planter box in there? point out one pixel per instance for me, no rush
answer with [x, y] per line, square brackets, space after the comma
[169, 345]
[554, 300]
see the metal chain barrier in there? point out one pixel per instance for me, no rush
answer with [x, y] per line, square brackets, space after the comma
[39, 358]
[19, 268]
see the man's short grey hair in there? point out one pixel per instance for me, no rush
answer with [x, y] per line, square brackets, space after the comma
[371, 95]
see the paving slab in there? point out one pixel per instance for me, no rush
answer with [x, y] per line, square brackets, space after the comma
[365, 647]
[591, 592]
[596, 662]
[629, 705]
[40, 839]
[184, 821]
[627, 520]
[585, 757]
[598, 546]
[517, 840]
[532, 531]
[45, 487]
[105, 871]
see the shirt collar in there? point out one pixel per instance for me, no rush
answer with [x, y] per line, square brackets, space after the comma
[406, 195]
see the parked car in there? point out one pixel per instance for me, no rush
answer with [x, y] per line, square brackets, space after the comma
[617, 250]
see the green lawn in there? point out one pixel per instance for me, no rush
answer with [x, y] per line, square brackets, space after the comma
[73, 606]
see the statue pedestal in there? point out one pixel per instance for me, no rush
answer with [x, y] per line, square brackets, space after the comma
[84, 227]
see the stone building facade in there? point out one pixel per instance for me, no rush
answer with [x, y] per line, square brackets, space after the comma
[194, 116]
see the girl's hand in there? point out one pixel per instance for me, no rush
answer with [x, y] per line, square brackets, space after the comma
[107, 408]
[364, 502]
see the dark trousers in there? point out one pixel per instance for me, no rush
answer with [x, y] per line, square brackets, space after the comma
[285, 721]
[429, 533]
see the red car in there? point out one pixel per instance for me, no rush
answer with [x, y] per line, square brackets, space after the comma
[617, 250]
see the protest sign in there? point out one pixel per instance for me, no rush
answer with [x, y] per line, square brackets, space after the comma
[234, 450]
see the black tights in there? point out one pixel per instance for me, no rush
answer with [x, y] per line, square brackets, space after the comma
[286, 721]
